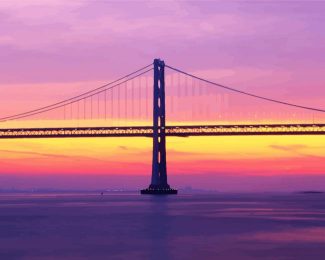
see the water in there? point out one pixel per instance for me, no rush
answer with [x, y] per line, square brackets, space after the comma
[131, 226]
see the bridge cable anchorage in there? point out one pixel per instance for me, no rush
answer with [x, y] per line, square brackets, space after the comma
[74, 99]
[246, 93]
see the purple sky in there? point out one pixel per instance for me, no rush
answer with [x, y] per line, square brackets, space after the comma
[55, 41]
[273, 48]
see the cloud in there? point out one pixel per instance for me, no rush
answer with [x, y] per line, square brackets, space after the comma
[289, 148]
[247, 46]
[124, 148]
[85, 22]
[298, 149]
[6, 40]
[35, 153]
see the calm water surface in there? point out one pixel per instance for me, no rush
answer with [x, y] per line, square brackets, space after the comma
[131, 226]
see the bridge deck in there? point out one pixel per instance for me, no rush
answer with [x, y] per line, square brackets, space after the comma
[184, 131]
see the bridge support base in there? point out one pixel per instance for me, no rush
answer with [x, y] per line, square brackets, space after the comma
[166, 190]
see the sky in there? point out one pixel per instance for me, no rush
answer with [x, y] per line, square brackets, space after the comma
[51, 50]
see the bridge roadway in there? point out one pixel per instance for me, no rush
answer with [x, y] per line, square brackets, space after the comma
[183, 131]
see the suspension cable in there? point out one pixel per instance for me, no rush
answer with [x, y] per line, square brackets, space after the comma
[246, 93]
[72, 98]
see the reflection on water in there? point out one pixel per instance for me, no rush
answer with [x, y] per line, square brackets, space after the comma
[158, 227]
[222, 226]
[311, 235]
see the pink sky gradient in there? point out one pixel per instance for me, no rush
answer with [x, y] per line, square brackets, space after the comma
[51, 50]
[275, 49]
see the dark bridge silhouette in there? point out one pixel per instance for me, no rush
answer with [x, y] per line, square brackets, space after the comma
[158, 130]
[181, 131]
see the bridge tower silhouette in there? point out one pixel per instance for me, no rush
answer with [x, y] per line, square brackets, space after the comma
[159, 184]
[217, 111]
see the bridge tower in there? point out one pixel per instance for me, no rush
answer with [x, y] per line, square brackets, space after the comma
[159, 184]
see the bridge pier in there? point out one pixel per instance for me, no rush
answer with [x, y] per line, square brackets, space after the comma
[159, 184]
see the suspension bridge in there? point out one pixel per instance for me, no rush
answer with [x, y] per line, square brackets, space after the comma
[194, 106]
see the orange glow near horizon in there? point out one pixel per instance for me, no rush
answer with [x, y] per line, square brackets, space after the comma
[271, 155]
